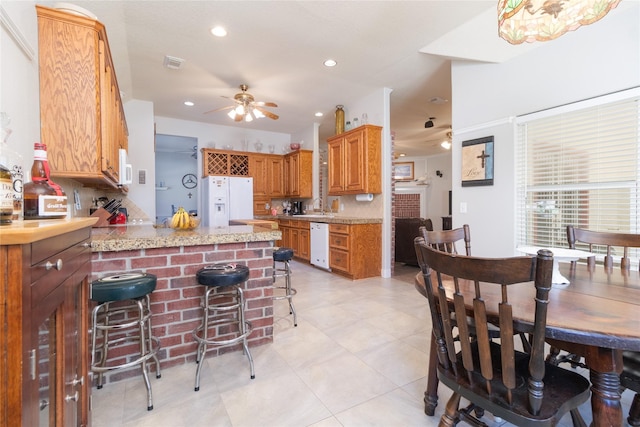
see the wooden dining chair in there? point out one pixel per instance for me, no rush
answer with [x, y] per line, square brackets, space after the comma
[445, 240]
[630, 377]
[518, 387]
[448, 241]
[600, 239]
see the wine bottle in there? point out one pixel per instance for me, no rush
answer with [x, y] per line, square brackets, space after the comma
[43, 199]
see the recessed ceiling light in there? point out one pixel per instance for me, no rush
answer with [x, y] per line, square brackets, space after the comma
[330, 63]
[401, 155]
[219, 31]
[189, 103]
[446, 145]
[319, 114]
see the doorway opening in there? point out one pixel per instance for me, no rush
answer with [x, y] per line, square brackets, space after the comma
[176, 175]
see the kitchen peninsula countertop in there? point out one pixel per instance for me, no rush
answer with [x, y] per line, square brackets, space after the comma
[24, 232]
[131, 237]
[329, 219]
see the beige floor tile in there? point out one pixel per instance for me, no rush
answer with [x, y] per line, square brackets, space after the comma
[397, 361]
[396, 408]
[344, 381]
[281, 401]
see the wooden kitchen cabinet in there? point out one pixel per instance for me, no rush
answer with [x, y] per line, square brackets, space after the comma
[298, 170]
[226, 163]
[44, 347]
[354, 161]
[81, 114]
[296, 235]
[267, 172]
[355, 250]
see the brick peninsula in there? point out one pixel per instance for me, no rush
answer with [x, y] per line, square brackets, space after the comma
[175, 257]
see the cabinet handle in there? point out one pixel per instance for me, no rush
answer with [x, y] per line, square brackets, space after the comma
[72, 398]
[75, 381]
[43, 404]
[86, 245]
[58, 265]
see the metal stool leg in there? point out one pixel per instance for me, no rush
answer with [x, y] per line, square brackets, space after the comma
[289, 292]
[244, 329]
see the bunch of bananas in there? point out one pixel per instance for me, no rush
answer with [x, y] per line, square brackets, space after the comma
[181, 220]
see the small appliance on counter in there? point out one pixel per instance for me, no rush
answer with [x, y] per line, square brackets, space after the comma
[297, 208]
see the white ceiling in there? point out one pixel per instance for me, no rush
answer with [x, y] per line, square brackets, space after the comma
[278, 49]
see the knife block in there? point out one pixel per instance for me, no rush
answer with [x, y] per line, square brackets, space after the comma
[103, 217]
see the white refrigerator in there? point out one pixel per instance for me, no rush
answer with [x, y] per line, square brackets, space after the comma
[226, 198]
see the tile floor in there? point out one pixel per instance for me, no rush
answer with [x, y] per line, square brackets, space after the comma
[357, 358]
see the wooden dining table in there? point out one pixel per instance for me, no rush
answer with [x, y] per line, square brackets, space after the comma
[596, 316]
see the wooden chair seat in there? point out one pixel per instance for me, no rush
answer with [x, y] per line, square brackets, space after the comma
[573, 387]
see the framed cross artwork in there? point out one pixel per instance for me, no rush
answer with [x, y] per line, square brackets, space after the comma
[477, 162]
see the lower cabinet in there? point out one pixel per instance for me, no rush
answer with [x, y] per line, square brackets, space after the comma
[296, 235]
[355, 250]
[44, 348]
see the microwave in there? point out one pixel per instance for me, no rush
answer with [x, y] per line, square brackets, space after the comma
[126, 170]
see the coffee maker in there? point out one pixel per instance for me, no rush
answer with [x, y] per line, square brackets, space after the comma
[297, 208]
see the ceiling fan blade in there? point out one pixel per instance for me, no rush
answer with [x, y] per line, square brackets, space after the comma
[220, 109]
[267, 113]
[265, 104]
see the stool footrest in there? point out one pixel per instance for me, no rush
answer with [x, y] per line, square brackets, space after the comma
[234, 340]
[291, 294]
[138, 361]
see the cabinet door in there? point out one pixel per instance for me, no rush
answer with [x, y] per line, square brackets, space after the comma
[354, 154]
[335, 155]
[295, 241]
[43, 398]
[304, 244]
[258, 170]
[275, 176]
[76, 360]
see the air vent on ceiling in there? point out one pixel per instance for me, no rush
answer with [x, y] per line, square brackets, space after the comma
[173, 62]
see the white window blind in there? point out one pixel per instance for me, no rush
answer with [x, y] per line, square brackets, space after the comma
[579, 165]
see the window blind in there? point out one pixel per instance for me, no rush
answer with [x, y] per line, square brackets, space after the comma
[579, 165]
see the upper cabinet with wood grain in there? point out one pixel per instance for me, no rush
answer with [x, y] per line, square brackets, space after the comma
[298, 170]
[354, 161]
[81, 114]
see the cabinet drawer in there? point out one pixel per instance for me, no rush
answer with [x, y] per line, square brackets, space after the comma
[339, 260]
[294, 223]
[339, 228]
[339, 241]
[284, 222]
[45, 275]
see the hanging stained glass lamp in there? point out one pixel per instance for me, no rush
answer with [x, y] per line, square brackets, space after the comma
[542, 20]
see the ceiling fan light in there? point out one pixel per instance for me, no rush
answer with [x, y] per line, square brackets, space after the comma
[232, 114]
[258, 114]
[248, 117]
[446, 145]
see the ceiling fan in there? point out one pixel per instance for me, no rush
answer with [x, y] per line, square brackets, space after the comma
[246, 107]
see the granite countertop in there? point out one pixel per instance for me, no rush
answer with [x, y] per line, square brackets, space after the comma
[329, 219]
[29, 231]
[131, 237]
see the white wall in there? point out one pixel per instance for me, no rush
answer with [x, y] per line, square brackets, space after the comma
[19, 90]
[139, 115]
[594, 60]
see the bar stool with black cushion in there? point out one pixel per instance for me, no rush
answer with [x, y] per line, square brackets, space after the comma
[123, 315]
[284, 256]
[224, 295]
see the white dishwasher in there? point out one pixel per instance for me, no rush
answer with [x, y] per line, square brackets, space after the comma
[320, 244]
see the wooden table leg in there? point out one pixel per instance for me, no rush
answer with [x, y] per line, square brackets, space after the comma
[605, 366]
[431, 394]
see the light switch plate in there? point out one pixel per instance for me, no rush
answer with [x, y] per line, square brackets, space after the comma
[142, 176]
